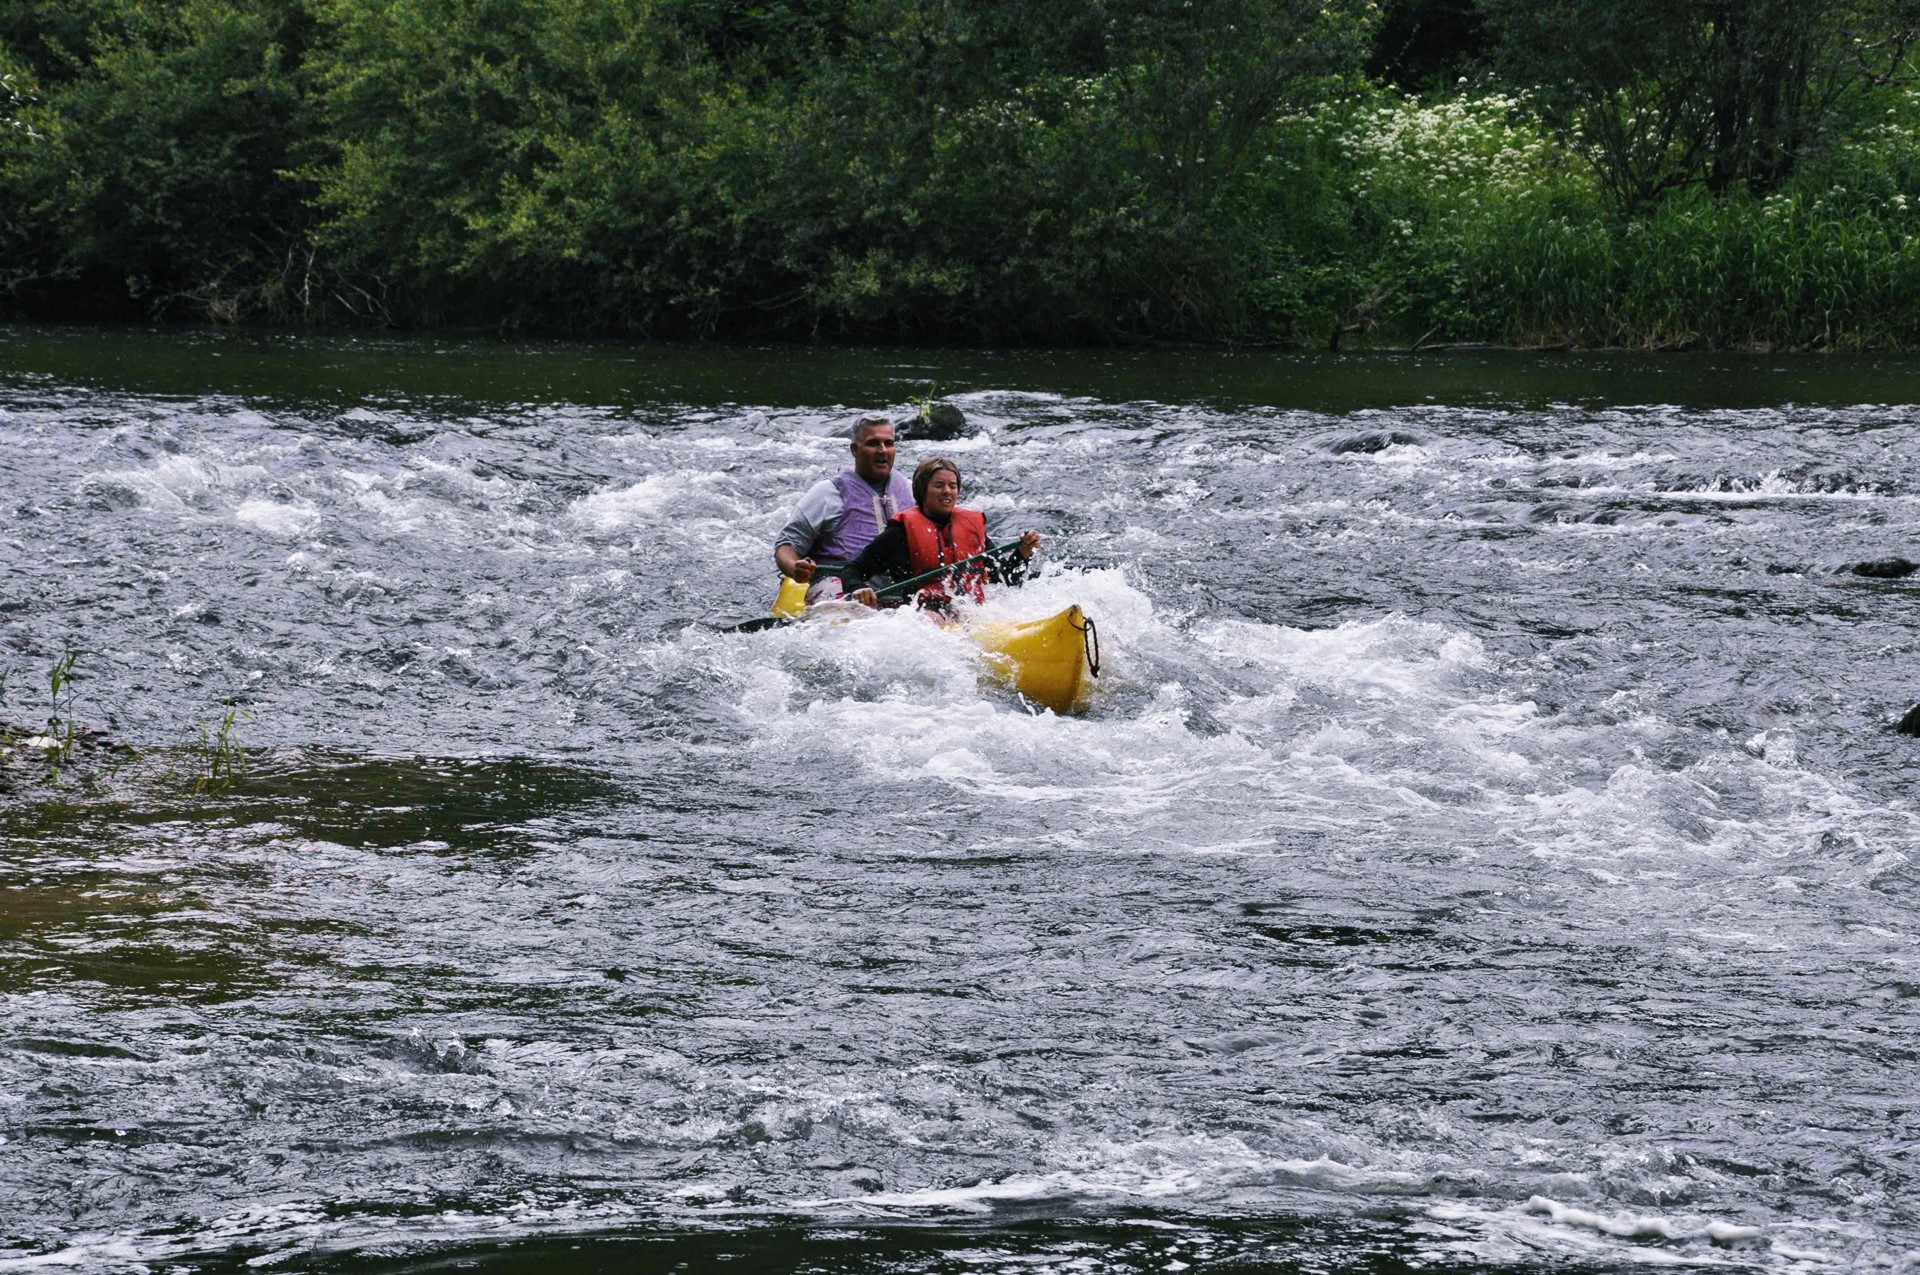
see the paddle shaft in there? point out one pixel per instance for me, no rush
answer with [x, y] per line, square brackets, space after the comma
[911, 582]
[914, 582]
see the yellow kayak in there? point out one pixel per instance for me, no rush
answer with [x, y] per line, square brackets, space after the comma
[1052, 661]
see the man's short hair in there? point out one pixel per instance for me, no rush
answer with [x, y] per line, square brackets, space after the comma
[923, 475]
[871, 420]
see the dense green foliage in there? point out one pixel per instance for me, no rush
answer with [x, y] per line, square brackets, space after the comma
[149, 168]
[1626, 172]
[1667, 94]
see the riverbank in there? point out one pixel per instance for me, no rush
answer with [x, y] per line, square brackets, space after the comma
[1794, 274]
[916, 179]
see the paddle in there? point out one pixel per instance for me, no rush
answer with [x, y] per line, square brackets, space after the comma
[914, 582]
[911, 582]
[758, 623]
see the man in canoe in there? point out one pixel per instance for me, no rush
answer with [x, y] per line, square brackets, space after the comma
[840, 516]
[931, 535]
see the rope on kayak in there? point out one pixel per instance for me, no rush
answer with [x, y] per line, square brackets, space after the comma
[1090, 639]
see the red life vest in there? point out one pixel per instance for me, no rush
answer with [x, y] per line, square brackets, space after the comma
[931, 545]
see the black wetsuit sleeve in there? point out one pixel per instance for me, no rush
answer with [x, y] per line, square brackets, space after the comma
[884, 560]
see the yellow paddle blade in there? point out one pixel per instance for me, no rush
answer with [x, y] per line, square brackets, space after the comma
[791, 600]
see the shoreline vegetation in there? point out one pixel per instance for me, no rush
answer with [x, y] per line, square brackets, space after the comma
[1410, 174]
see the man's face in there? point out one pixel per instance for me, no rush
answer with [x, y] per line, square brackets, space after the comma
[873, 454]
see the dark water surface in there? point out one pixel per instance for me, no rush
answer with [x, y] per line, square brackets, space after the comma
[1487, 846]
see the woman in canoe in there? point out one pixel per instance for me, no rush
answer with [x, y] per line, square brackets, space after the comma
[933, 534]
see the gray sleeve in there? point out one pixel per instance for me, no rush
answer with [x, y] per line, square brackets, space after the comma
[817, 514]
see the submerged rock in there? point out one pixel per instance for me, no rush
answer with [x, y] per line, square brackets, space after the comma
[1378, 441]
[34, 757]
[1910, 724]
[19, 742]
[1886, 568]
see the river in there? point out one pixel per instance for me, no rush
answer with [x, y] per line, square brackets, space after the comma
[1487, 846]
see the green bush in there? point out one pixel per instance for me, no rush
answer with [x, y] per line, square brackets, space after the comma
[920, 168]
[507, 161]
[152, 181]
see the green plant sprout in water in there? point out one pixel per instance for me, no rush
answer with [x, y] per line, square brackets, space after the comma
[57, 741]
[60, 680]
[221, 758]
[54, 742]
[933, 419]
[924, 405]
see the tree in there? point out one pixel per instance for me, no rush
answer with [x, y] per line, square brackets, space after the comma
[1424, 44]
[156, 176]
[1061, 169]
[1731, 95]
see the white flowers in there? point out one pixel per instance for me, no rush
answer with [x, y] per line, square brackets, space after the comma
[1489, 143]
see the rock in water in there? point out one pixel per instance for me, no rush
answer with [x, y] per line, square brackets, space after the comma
[1375, 442]
[1910, 724]
[938, 421]
[1886, 568]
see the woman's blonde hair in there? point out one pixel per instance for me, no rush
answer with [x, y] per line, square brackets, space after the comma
[923, 475]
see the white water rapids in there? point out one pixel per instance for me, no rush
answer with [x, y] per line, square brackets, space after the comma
[1487, 845]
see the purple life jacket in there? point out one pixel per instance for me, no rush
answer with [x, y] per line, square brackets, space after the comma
[864, 513]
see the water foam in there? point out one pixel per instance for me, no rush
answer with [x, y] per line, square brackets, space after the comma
[923, 712]
[284, 520]
[177, 484]
[657, 496]
[1151, 1169]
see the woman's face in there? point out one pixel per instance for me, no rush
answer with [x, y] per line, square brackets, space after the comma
[943, 492]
